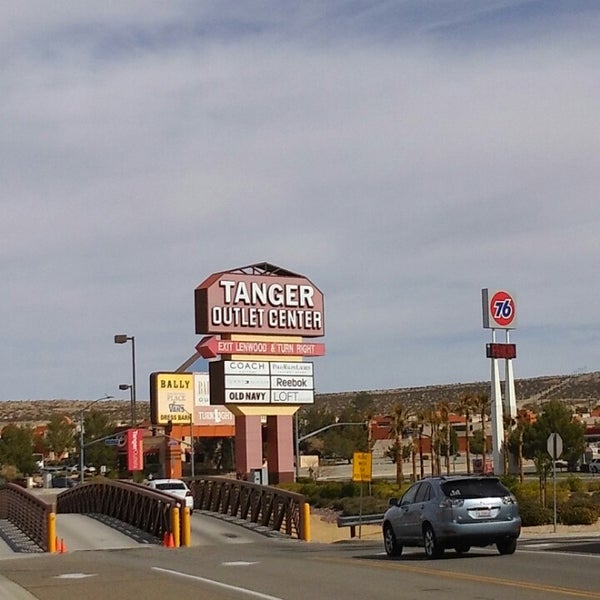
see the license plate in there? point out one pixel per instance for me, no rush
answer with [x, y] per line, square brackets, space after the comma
[483, 513]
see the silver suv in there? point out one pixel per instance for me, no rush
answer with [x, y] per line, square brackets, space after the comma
[594, 465]
[452, 512]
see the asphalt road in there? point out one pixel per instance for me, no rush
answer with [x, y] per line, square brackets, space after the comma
[228, 562]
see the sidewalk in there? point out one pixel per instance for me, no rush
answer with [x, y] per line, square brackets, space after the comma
[325, 531]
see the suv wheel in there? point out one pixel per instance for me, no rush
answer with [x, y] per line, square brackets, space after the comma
[432, 548]
[507, 546]
[462, 548]
[392, 547]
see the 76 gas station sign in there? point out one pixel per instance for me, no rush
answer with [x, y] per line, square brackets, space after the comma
[499, 309]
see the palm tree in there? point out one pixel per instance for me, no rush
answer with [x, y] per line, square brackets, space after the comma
[444, 412]
[400, 419]
[522, 423]
[434, 421]
[482, 403]
[420, 420]
[465, 405]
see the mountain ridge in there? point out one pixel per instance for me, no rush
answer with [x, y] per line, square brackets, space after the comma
[582, 389]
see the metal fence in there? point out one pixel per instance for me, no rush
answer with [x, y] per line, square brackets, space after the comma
[270, 507]
[27, 512]
[147, 509]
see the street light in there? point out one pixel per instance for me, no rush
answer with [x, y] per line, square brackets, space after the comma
[81, 439]
[123, 338]
[126, 386]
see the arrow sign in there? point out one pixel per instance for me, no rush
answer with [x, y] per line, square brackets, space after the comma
[211, 347]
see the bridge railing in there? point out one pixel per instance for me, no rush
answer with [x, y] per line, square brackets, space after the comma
[27, 512]
[147, 509]
[270, 507]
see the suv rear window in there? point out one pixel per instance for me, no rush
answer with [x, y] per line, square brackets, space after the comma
[474, 488]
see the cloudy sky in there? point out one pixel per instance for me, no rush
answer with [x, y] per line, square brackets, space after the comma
[402, 155]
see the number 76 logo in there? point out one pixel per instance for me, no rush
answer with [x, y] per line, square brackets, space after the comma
[499, 309]
[503, 309]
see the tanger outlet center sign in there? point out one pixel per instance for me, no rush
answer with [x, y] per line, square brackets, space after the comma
[240, 303]
[262, 314]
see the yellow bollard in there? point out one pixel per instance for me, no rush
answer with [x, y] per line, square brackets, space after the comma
[51, 540]
[176, 527]
[186, 528]
[306, 522]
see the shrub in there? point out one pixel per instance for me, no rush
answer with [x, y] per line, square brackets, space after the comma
[576, 484]
[593, 486]
[581, 500]
[577, 515]
[510, 481]
[528, 491]
[533, 513]
[370, 505]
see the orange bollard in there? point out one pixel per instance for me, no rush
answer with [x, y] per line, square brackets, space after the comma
[63, 546]
[171, 541]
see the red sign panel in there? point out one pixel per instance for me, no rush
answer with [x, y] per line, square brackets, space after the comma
[507, 351]
[211, 347]
[135, 449]
[233, 302]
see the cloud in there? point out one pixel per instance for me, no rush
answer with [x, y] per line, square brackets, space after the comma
[401, 155]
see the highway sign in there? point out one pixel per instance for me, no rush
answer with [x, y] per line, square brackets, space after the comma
[554, 445]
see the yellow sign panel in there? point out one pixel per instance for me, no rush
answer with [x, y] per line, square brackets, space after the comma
[171, 397]
[362, 466]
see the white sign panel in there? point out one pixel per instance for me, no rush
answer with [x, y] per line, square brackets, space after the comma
[247, 396]
[291, 368]
[291, 381]
[292, 396]
[247, 367]
[264, 382]
[247, 381]
[201, 389]
[204, 413]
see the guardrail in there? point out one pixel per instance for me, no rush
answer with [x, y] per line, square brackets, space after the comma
[147, 509]
[270, 507]
[354, 521]
[27, 512]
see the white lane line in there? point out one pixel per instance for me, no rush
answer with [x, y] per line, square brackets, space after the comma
[225, 586]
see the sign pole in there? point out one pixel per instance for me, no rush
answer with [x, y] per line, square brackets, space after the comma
[554, 445]
[360, 511]
[554, 488]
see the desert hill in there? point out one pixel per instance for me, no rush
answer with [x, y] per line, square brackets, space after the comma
[578, 390]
